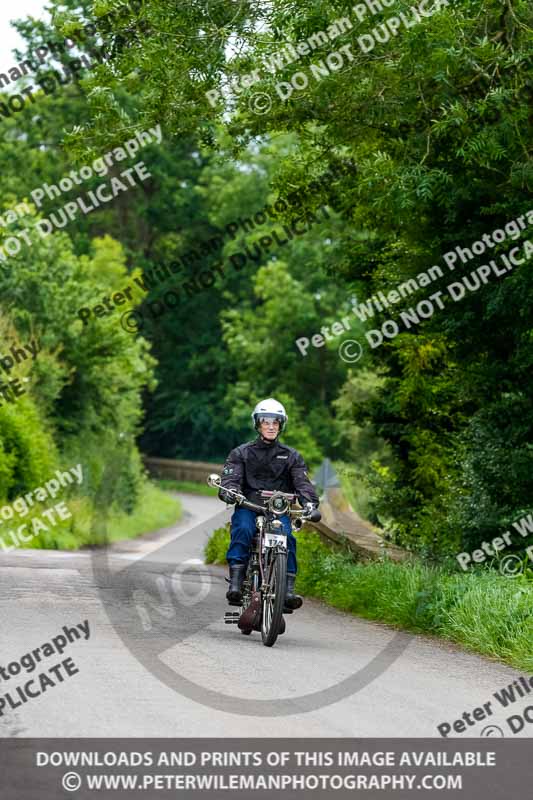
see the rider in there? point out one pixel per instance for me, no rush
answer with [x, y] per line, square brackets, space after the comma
[264, 464]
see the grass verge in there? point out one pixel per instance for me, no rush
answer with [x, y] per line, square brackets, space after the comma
[156, 509]
[188, 487]
[483, 611]
[85, 527]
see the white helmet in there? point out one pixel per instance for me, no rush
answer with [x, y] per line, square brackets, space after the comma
[270, 408]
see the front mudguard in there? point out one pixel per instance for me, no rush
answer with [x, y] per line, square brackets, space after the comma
[251, 617]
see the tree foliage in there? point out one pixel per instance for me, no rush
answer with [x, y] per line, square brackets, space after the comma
[433, 128]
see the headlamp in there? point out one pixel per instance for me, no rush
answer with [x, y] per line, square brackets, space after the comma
[279, 504]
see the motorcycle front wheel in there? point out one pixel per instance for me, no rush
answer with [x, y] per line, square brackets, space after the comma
[274, 595]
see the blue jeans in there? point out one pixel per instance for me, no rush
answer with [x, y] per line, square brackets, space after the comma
[242, 533]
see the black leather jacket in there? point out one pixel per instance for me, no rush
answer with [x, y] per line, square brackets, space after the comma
[272, 466]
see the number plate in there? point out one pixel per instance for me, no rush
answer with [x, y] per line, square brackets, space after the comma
[273, 539]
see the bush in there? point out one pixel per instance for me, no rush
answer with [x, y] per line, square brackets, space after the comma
[86, 382]
[216, 548]
[27, 452]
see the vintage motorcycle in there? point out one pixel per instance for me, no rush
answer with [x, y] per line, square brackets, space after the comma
[265, 582]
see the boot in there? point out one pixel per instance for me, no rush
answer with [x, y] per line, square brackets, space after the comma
[236, 577]
[292, 601]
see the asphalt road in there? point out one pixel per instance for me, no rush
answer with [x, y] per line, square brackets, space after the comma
[160, 661]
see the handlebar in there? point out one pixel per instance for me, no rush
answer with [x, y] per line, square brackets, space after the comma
[241, 500]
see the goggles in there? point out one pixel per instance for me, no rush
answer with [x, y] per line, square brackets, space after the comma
[270, 421]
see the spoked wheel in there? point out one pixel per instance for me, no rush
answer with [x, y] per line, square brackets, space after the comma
[274, 597]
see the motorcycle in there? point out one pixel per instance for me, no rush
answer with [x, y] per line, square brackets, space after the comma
[265, 583]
